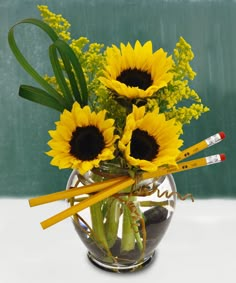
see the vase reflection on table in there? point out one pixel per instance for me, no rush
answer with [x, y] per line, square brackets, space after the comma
[122, 232]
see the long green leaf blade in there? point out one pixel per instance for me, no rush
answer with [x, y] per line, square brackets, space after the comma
[70, 73]
[77, 69]
[39, 96]
[25, 64]
[42, 25]
[60, 76]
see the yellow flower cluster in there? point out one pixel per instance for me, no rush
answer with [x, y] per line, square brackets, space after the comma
[53, 82]
[184, 114]
[182, 56]
[57, 22]
[78, 45]
[179, 91]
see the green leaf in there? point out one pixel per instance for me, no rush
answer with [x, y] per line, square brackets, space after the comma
[25, 64]
[58, 72]
[69, 72]
[72, 68]
[40, 96]
[42, 25]
[66, 49]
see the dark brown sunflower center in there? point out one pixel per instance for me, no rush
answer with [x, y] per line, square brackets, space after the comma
[143, 146]
[86, 143]
[135, 78]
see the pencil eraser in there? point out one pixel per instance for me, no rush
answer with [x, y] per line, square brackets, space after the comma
[222, 135]
[222, 157]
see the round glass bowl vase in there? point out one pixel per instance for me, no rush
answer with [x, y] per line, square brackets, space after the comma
[122, 232]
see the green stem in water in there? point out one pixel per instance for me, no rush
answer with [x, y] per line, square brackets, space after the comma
[128, 237]
[137, 236]
[97, 225]
[112, 223]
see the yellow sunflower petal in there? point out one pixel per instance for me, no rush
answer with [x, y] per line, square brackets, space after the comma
[128, 56]
[64, 132]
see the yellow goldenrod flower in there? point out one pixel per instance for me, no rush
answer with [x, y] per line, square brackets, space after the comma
[57, 22]
[82, 139]
[184, 114]
[178, 91]
[136, 72]
[183, 54]
[149, 140]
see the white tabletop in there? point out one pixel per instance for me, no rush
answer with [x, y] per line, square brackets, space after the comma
[199, 246]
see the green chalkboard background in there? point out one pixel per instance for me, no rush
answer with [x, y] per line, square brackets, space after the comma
[209, 26]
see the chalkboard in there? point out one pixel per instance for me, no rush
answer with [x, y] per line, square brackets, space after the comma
[209, 26]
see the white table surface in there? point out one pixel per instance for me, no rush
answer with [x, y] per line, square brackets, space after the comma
[199, 246]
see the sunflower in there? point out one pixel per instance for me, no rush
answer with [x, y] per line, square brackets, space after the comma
[82, 139]
[149, 140]
[136, 72]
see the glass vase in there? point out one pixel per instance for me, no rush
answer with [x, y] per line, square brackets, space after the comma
[122, 232]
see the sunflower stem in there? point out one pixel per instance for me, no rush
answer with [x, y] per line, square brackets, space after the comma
[135, 226]
[98, 226]
[128, 237]
[112, 223]
[131, 220]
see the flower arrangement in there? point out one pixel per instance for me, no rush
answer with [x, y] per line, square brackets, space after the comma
[123, 101]
[120, 107]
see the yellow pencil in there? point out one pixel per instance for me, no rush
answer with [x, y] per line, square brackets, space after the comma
[128, 181]
[201, 146]
[97, 187]
[88, 202]
[66, 194]
[187, 165]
